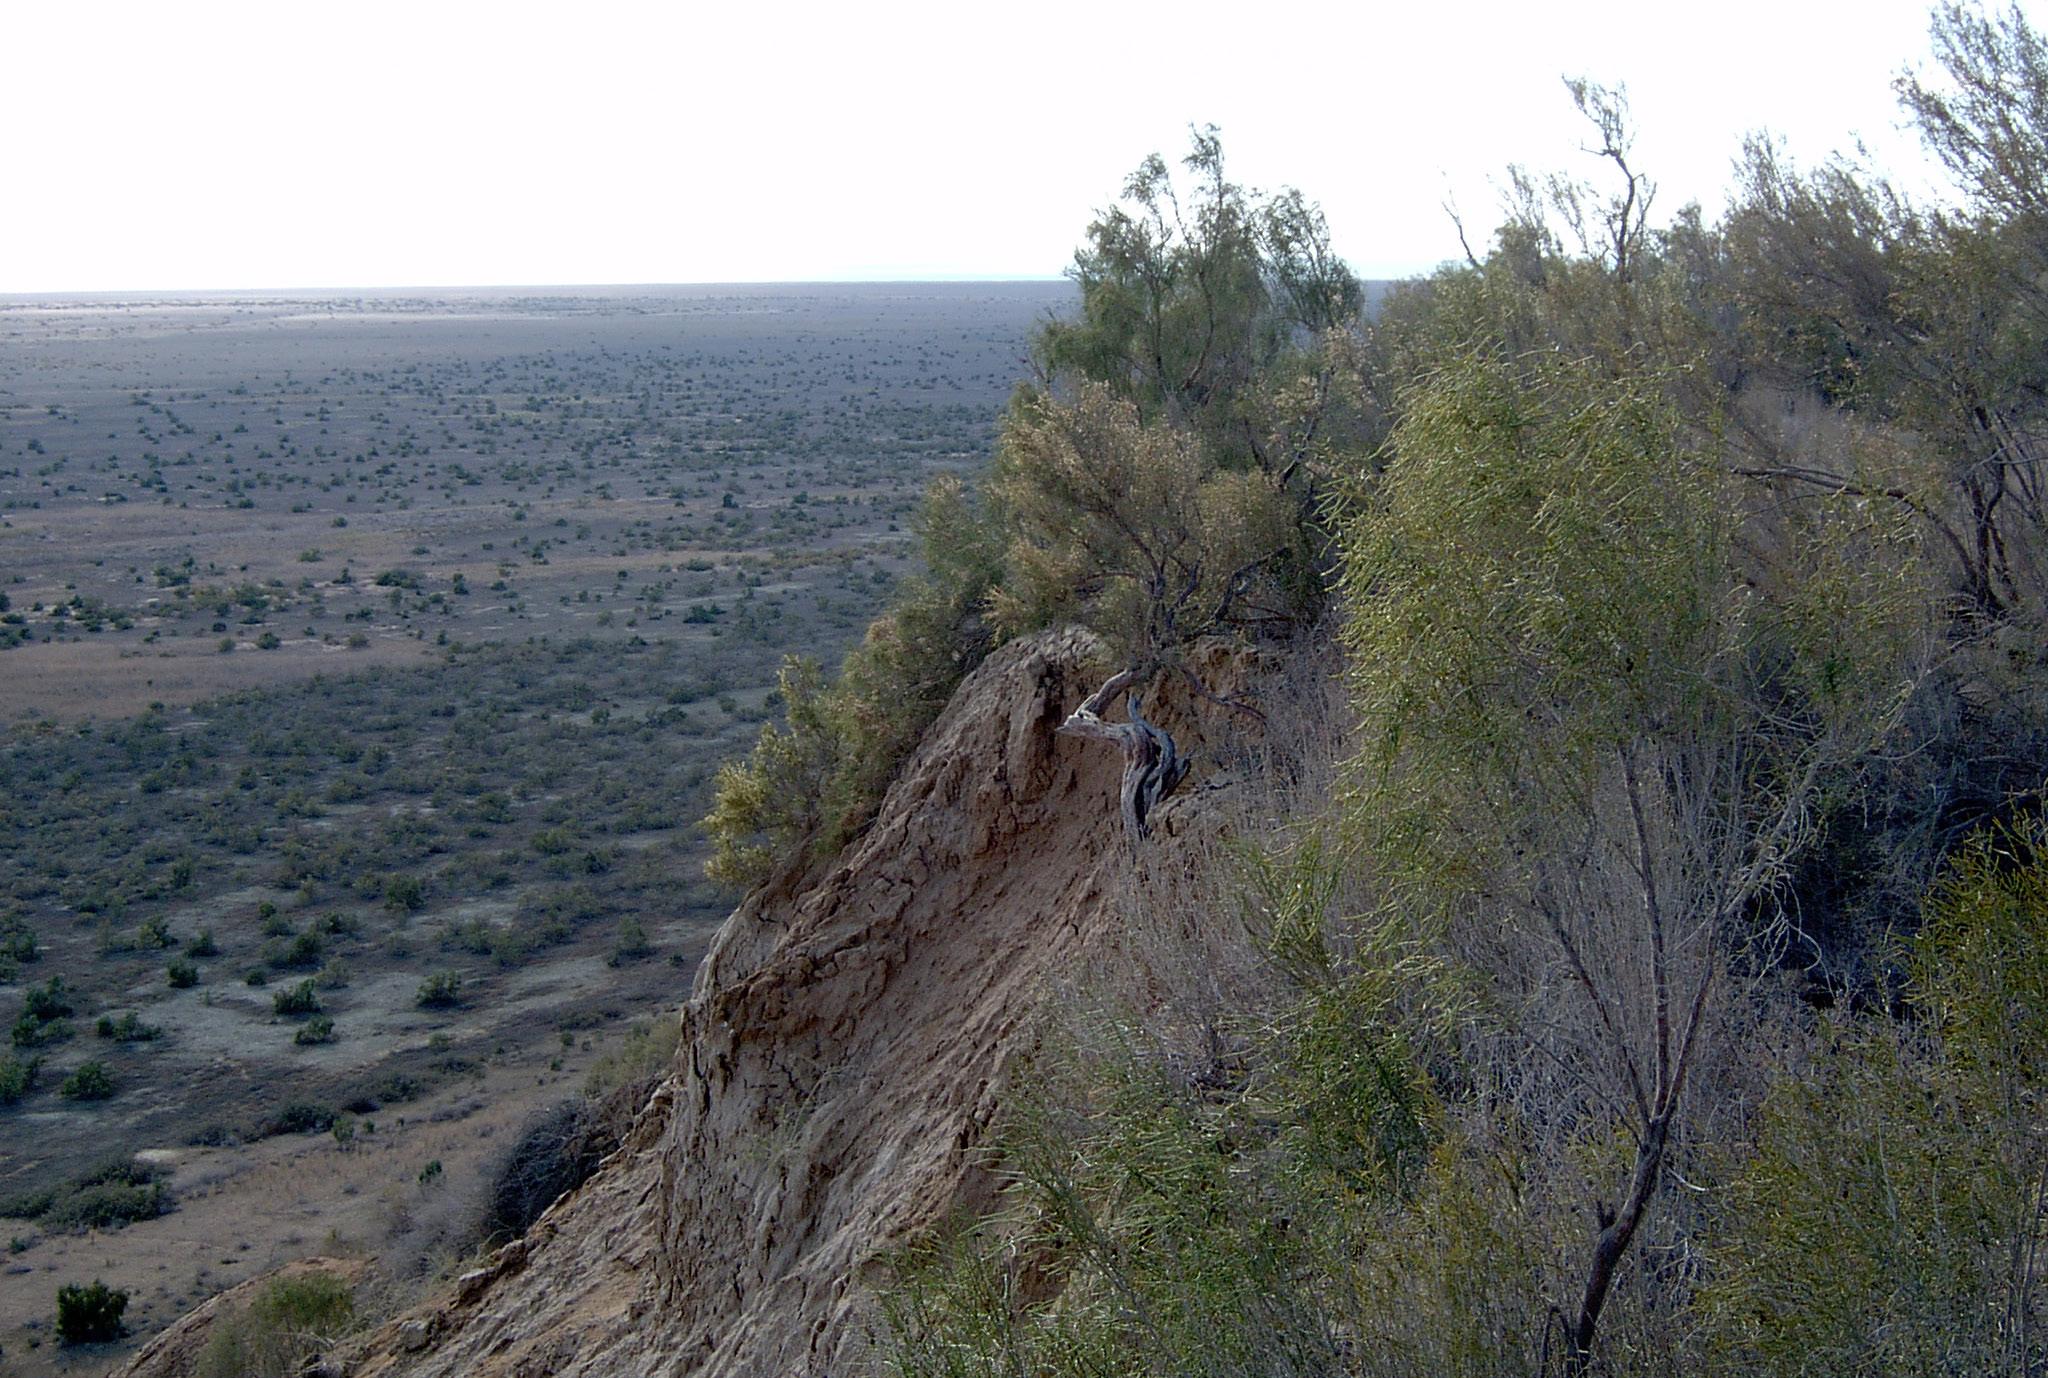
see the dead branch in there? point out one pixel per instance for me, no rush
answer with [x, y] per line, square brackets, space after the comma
[1153, 766]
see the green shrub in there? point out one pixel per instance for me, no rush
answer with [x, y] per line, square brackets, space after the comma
[296, 1000]
[647, 1050]
[404, 895]
[17, 1077]
[289, 1321]
[107, 1196]
[89, 1315]
[319, 1029]
[181, 974]
[1884, 1222]
[810, 784]
[91, 1081]
[129, 1028]
[631, 944]
[43, 1014]
[300, 1117]
[441, 991]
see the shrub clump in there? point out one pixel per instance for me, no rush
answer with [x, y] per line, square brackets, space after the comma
[91, 1081]
[89, 1315]
[296, 1000]
[17, 1077]
[108, 1196]
[299, 1117]
[290, 1320]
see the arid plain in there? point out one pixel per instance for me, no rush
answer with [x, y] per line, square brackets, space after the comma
[364, 665]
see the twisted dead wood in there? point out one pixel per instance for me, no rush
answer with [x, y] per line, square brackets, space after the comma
[1153, 767]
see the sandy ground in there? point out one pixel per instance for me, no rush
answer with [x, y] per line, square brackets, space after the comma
[245, 1210]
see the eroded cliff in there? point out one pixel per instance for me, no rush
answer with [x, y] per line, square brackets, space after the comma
[843, 1055]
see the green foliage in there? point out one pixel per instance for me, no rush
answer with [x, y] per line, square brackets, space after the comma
[180, 974]
[404, 894]
[89, 1315]
[1240, 1207]
[813, 781]
[315, 1031]
[1189, 302]
[47, 1002]
[300, 1117]
[1161, 484]
[88, 1081]
[1888, 1219]
[129, 1028]
[296, 1000]
[1133, 529]
[17, 1077]
[631, 945]
[289, 1320]
[778, 791]
[440, 991]
[106, 1196]
[1548, 579]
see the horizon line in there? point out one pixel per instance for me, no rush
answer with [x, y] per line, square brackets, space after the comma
[8, 294]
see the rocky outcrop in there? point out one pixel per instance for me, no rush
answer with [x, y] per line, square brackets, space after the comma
[843, 1055]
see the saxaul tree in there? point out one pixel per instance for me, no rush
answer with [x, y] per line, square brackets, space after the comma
[1125, 526]
[1596, 738]
[1160, 481]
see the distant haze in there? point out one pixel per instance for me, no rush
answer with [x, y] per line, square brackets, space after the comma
[215, 145]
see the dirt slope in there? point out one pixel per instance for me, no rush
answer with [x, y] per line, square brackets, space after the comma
[843, 1053]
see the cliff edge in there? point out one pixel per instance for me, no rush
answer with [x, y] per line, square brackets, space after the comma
[843, 1054]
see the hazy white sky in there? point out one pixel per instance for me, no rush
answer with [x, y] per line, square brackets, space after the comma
[203, 144]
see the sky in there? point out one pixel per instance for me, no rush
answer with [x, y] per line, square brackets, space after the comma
[208, 145]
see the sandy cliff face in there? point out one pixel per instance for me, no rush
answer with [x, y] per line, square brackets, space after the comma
[843, 1054]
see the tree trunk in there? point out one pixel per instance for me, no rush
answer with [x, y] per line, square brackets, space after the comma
[1153, 767]
[1615, 1235]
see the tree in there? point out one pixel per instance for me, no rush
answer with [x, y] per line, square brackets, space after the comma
[1591, 745]
[1162, 482]
[1124, 525]
[1931, 319]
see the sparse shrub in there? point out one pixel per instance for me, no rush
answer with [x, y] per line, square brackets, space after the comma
[89, 1315]
[404, 894]
[17, 1077]
[290, 1320]
[296, 1000]
[303, 951]
[106, 1196]
[203, 945]
[181, 974]
[631, 944]
[47, 1002]
[129, 1028]
[441, 991]
[300, 1117]
[317, 1030]
[90, 1081]
[646, 1051]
